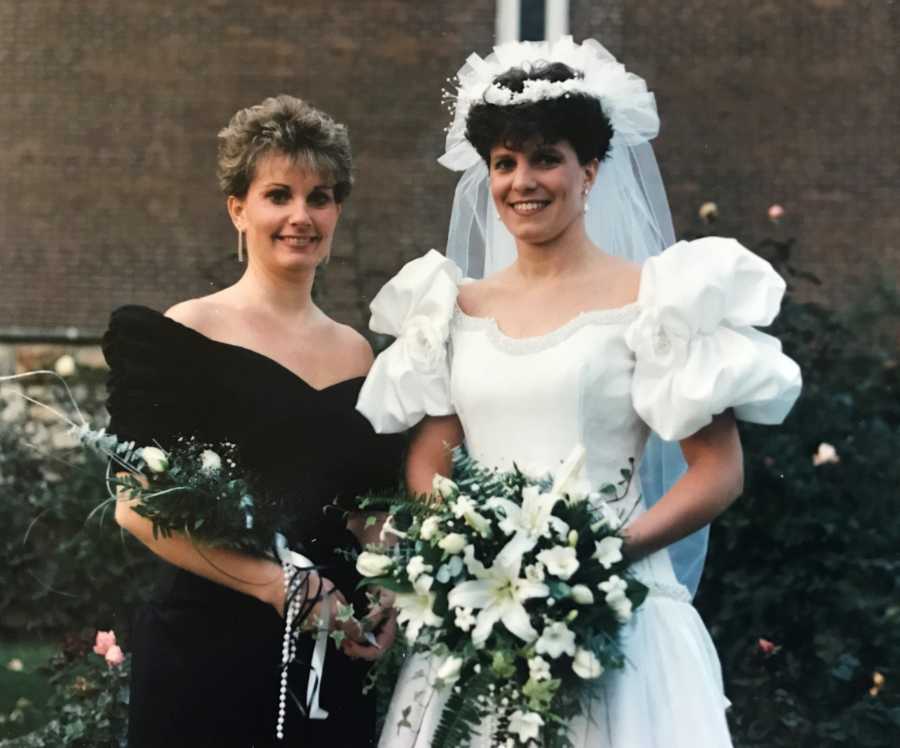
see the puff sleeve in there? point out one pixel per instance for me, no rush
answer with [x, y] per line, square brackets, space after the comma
[696, 348]
[411, 378]
[154, 390]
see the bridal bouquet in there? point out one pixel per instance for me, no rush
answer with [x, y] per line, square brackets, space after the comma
[517, 587]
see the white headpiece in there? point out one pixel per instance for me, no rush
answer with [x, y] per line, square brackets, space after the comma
[630, 107]
[628, 213]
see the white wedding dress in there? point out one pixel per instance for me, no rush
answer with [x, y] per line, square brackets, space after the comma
[684, 351]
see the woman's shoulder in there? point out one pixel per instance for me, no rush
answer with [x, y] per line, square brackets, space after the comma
[354, 350]
[475, 296]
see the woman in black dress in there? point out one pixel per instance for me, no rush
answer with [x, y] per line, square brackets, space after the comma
[261, 366]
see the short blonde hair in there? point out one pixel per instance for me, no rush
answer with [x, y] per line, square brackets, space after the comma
[288, 125]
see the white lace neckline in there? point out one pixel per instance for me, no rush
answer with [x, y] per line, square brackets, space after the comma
[534, 343]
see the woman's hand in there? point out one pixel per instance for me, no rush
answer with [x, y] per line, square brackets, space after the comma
[382, 620]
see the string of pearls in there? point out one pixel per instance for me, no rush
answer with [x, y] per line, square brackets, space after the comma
[294, 579]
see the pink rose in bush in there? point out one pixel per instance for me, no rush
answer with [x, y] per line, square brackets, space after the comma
[776, 213]
[115, 656]
[104, 640]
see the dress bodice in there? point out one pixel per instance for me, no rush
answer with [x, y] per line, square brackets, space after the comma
[309, 446]
[529, 401]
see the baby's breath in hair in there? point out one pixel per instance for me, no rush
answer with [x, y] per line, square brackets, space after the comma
[287, 125]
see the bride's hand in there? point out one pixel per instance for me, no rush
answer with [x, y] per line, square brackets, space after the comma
[382, 620]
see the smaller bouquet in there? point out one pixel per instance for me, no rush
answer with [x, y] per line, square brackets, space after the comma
[194, 488]
[517, 587]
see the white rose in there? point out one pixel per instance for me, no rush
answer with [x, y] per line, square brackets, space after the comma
[210, 462]
[555, 640]
[443, 486]
[560, 561]
[373, 564]
[448, 672]
[429, 528]
[453, 543]
[155, 459]
[586, 665]
[65, 366]
[424, 342]
[582, 594]
[608, 552]
[825, 454]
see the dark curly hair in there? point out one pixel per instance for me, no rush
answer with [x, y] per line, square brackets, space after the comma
[575, 117]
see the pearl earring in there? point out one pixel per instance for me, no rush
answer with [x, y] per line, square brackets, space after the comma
[240, 245]
[585, 196]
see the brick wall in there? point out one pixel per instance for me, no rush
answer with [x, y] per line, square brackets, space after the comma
[109, 110]
[108, 117]
[766, 101]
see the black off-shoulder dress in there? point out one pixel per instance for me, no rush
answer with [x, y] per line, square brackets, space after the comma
[206, 659]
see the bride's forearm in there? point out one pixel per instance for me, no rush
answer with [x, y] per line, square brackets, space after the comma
[431, 452]
[713, 480]
[257, 577]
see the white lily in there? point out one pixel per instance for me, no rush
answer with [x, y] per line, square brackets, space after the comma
[531, 520]
[464, 508]
[498, 594]
[416, 608]
[569, 477]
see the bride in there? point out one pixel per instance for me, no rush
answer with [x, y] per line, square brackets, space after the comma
[581, 331]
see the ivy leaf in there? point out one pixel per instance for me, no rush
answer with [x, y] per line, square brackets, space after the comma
[344, 613]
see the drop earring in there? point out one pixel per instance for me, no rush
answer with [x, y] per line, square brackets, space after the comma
[240, 245]
[585, 196]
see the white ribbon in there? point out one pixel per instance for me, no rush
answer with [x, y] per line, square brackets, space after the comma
[317, 666]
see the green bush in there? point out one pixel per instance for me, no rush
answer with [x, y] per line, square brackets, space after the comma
[807, 559]
[61, 570]
[89, 703]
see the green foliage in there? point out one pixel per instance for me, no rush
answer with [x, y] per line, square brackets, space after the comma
[807, 559]
[24, 689]
[60, 569]
[89, 704]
